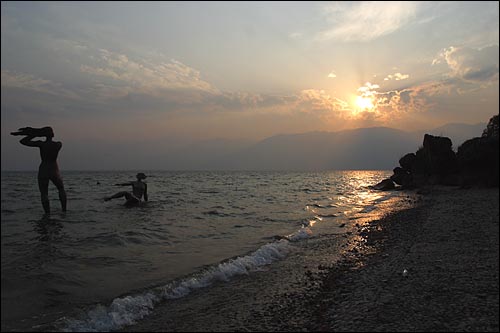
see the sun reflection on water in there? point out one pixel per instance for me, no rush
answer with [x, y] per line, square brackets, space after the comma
[356, 191]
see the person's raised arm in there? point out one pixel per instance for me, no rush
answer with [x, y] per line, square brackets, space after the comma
[28, 141]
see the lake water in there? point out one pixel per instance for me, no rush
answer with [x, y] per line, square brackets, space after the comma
[101, 266]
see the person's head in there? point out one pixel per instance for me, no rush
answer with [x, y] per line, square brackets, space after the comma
[140, 176]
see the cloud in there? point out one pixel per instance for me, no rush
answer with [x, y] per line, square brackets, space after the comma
[31, 82]
[26, 81]
[368, 90]
[469, 70]
[365, 21]
[396, 103]
[397, 77]
[390, 106]
[318, 102]
[115, 81]
[119, 84]
[240, 101]
[472, 65]
[144, 75]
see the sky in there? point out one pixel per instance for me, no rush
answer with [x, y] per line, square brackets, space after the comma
[155, 75]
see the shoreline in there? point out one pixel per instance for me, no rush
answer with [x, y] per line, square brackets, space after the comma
[445, 239]
[449, 248]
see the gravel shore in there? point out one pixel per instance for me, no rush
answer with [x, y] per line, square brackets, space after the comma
[429, 264]
[436, 269]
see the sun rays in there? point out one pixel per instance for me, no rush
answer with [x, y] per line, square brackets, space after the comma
[364, 103]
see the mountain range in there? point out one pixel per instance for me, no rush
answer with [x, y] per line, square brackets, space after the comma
[376, 148]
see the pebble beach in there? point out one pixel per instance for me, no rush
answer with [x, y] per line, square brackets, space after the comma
[436, 270]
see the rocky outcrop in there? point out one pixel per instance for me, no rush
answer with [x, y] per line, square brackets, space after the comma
[475, 163]
[407, 161]
[478, 158]
[434, 163]
[402, 177]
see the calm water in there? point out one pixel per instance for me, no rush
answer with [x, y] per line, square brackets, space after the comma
[101, 265]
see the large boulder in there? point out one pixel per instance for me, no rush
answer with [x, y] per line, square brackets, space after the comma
[478, 157]
[437, 144]
[435, 161]
[479, 161]
[442, 158]
[402, 177]
[475, 163]
[407, 161]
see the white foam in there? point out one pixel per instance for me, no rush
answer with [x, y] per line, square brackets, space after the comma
[122, 312]
[302, 233]
[127, 310]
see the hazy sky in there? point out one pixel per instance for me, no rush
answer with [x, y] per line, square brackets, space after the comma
[141, 72]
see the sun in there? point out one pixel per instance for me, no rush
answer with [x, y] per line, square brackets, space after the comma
[364, 103]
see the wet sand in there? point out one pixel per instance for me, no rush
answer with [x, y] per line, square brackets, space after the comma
[445, 240]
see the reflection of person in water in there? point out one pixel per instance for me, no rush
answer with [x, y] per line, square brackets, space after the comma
[139, 189]
[48, 169]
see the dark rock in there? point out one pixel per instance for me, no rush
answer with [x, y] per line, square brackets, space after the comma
[407, 161]
[451, 180]
[441, 157]
[475, 163]
[384, 185]
[434, 161]
[478, 160]
[437, 144]
[402, 177]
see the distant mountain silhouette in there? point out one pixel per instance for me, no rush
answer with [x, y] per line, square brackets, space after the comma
[366, 148]
[362, 149]
[377, 148]
[203, 155]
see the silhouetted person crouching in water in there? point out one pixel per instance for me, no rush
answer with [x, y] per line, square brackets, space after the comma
[48, 169]
[139, 189]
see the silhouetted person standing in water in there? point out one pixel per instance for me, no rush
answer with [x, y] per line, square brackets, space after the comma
[139, 189]
[48, 169]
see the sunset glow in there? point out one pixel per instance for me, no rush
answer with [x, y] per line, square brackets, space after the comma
[242, 159]
[364, 103]
[166, 75]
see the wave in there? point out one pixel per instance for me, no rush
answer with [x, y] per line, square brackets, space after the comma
[214, 212]
[125, 311]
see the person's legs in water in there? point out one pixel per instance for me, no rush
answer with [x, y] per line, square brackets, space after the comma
[130, 198]
[43, 186]
[62, 193]
[117, 195]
